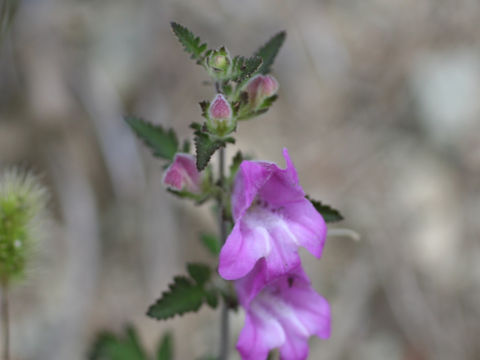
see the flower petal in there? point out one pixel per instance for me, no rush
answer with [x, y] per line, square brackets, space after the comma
[260, 233]
[295, 348]
[282, 186]
[251, 176]
[287, 302]
[266, 180]
[260, 334]
[244, 246]
[307, 225]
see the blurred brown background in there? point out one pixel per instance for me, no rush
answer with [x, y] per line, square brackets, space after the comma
[379, 108]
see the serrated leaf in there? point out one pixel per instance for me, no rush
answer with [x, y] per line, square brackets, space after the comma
[204, 105]
[163, 143]
[328, 213]
[212, 298]
[269, 51]
[186, 146]
[244, 68]
[212, 243]
[205, 147]
[110, 347]
[199, 272]
[196, 126]
[183, 296]
[191, 43]
[165, 348]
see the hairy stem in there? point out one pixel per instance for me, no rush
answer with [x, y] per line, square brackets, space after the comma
[5, 322]
[224, 327]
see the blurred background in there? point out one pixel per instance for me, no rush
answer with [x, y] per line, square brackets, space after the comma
[379, 108]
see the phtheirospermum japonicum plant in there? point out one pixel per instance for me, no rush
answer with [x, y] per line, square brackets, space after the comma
[264, 215]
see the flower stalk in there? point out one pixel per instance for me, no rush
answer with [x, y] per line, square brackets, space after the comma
[224, 321]
[5, 321]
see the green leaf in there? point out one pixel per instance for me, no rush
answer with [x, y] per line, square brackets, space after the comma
[204, 105]
[191, 43]
[186, 146]
[163, 143]
[269, 51]
[183, 296]
[268, 102]
[197, 126]
[244, 68]
[236, 161]
[110, 347]
[328, 213]
[165, 348]
[183, 194]
[199, 272]
[205, 147]
[212, 243]
[234, 166]
[212, 298]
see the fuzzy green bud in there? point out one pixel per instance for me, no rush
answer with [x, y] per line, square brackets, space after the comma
[219, 63]
[22, 204]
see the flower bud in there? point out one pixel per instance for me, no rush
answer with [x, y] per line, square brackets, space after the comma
[182, 174]
[220, 119]
[219, 62]
[261, 87]
[220, 109]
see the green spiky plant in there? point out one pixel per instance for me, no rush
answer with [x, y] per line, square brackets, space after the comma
[22, 205]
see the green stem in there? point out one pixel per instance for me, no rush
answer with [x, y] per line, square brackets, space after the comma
[5, 322]
[224, 326]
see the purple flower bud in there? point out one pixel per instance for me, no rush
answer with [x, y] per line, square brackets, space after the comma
[182, 174]
[219, 119]
[220, 109]
[261, 87]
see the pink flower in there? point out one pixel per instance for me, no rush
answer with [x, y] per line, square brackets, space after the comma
[282, 313]
[182, 174]
[261, 87]
[272, 219]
